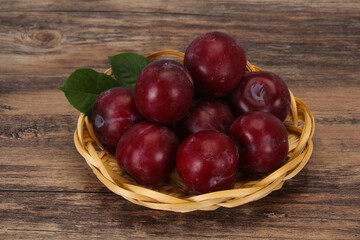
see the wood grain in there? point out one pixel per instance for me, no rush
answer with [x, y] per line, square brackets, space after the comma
[48, 191]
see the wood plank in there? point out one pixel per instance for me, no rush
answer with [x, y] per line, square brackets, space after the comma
[301, 46]
[187, 6]
[340, 107]
[72, 215]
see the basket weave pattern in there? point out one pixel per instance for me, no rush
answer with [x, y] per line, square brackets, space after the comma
[174, 195]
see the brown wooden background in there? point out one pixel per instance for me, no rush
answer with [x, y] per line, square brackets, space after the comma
[48, 191]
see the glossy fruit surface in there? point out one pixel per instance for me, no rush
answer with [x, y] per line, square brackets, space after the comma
[114, 111]
[217, 62]
[262, 141]
[205, 115]
[164, 91]
[261, 91]
[207, 161]
[147, 151]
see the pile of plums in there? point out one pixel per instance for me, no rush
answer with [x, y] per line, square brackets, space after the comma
[207, 118]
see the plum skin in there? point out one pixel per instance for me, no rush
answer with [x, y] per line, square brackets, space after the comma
[216, 62]
[113, 112]
[207, 161]
[261, 91]
[147, 151]
[262, 142]
[164, 91]
[205, 114]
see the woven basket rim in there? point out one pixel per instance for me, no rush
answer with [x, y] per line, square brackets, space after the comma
[171, 197]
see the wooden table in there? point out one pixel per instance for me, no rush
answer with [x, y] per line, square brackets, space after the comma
[47, 191]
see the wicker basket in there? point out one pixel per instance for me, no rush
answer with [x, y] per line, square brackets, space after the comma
[173, 195]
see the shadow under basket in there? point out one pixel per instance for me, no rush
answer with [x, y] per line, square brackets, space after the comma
[174, 195]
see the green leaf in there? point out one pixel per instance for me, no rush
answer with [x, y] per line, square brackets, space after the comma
[127, 67]
[84, 85]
